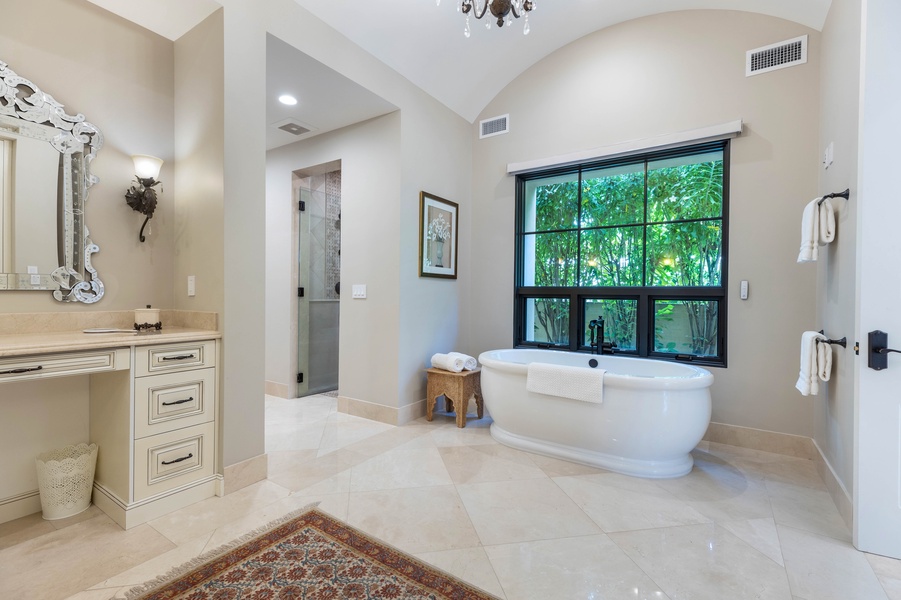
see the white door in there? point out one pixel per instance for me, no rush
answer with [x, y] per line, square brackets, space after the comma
[877, 470]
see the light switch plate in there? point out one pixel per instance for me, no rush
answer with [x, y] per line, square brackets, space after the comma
[359, 290]
[192, 288]
[744, 289]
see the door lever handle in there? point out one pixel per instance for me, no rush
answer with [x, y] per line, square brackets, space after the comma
[878, 350]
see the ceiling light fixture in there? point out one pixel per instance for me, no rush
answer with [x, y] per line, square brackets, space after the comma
[503, 10]
[287, 99]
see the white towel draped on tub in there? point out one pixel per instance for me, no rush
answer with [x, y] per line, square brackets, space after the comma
[816, 363]
[578, 383]
[817, 228]
[469, 362]
[447, 362]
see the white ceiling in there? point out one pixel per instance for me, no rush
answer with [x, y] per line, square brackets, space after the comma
[425, 42]
[326, 100]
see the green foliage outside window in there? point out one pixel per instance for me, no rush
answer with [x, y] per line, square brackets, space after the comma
[656, 223]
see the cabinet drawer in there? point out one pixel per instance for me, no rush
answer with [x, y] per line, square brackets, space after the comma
[175, 357]
[41, 366]
[169, 460]
[174, 400]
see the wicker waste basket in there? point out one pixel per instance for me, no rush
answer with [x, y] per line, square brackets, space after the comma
[65, 480]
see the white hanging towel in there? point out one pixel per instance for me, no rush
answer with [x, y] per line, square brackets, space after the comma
[824, 360]
[817, 228]
[469, 362]
[578, 383]
[808, 378]
[447, 362]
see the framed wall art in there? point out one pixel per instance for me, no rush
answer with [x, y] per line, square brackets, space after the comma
[438, 233]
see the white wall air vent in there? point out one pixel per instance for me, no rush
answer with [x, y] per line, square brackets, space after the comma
[776, 56]
[494, 126]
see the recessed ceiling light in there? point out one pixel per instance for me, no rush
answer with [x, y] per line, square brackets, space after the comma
[287, 99]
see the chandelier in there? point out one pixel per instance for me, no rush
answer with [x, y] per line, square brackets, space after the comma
[503, 10]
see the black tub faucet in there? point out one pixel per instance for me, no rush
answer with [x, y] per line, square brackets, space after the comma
[598, 345]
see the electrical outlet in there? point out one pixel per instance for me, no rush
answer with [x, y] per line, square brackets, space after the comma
[359, 290]
[192, 290]
[828, 155]
[744, 289]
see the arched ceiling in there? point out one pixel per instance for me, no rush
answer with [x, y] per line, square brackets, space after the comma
[424, 42]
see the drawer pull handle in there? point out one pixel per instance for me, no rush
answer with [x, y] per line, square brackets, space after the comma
[178, 460]
[189, 399]
[179, 357]
[23, 370]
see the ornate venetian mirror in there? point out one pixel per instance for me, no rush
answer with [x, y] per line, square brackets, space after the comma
[45, 158]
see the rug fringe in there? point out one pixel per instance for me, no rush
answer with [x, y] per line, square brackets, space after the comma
[175, 572]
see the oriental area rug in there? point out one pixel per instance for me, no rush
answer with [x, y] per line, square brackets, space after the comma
[307, 555]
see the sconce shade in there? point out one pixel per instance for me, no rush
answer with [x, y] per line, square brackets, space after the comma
[147, 167]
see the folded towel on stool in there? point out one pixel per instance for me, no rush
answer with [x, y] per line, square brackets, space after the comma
[469, 363]
[447, 362]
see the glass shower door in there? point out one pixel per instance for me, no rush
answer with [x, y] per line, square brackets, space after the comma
[318, 278]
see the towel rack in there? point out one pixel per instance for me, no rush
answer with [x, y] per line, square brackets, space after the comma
[846, 195]
[842, 342]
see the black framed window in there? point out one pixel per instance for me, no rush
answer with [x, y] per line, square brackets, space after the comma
[640, 242]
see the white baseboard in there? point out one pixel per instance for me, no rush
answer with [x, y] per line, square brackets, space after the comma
[244, 473]
[21, 505]
[279, 390]
[790, 445]
[760, 439]
[837, 489]
[381, 413]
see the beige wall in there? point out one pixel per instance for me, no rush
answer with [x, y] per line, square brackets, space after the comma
[120, 77]
[370, 186]
[665, 74]
[199, 150]
[436, 157]
[836, 273]
[199, 179]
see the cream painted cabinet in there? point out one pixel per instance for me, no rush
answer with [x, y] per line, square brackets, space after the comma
[155, 426]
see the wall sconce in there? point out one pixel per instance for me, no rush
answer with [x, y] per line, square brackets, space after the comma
[142, 197]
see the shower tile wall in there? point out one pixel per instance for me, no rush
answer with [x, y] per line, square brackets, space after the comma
[325, 247]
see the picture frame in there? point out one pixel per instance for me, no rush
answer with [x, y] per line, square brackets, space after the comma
[438, 235]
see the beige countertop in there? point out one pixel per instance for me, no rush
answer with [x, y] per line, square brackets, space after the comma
[24, 344]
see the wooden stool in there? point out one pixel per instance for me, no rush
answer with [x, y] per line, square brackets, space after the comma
[457, 388]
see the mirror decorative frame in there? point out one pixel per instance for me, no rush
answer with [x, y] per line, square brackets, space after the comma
[77, 141]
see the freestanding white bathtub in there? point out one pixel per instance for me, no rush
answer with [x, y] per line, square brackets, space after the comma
[652, 415]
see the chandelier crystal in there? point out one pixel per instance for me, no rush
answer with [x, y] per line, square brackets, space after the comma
[502, 10]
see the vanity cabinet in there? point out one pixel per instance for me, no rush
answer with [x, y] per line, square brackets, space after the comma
[153, 407]
[157, 451]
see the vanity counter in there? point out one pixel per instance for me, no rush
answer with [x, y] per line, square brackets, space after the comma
[25, 344]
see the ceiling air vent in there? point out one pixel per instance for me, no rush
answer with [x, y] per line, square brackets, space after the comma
[494, 126]
[294, 128]
[776, 56]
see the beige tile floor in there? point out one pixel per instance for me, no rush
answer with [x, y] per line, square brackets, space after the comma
[743, 524]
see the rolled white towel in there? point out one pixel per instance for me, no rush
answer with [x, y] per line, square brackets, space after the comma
[447, 362]
[469, 362]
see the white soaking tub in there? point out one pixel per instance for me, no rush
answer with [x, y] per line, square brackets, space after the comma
[652, 415]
